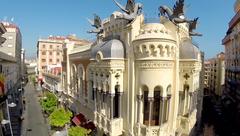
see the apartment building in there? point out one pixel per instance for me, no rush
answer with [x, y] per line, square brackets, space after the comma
[214, 80]
[50, 57]
[13, 47]
[49, 51]
[231, 42]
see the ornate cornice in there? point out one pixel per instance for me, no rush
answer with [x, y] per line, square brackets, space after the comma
[108, 64]
[155, 64]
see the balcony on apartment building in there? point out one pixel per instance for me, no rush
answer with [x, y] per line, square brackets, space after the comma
[111, 126]
[52, 80]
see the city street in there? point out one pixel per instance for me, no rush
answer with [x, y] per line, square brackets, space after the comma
[33, 123]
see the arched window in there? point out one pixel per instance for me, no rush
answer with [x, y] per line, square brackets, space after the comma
[145, 105]
[73, 84]
[80, 79]
[183, 100]
[156, 106]
[116, 102]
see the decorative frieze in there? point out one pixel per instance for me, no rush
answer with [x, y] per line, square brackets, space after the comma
[154, 64]
[108, 64]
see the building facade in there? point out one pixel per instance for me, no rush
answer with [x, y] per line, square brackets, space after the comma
[12, 47]
[215, 75]
[50, 51]
[141, 77]
[8, 82]
[232, 75]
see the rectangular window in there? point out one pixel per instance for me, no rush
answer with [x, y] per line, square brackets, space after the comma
[50, 60]
[43, 46]
[58, 53]
[50, 46]
[58, 60]
[43, 53]
[50, 53]
[43, 60]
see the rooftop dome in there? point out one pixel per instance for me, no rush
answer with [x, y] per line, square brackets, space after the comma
[109, 49]
[188, 50]
[237, 6]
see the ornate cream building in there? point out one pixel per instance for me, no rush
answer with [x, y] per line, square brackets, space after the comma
[141, 77]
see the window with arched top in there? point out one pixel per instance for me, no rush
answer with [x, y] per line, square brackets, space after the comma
[73, 84]
[116, 113]
[183, 100]
[156, 106]
[145, 105]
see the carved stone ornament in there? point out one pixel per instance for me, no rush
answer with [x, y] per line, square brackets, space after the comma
[154, 65]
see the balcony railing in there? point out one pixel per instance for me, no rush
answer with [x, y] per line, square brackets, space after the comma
[114, 126]
[51, 75]
[153, 130]
[186, 123]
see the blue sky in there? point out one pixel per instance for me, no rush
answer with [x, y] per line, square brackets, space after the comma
[41, 18]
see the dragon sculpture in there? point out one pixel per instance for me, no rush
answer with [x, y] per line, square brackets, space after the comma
[2, 40]
[97, 23]
[131, 9]
[176, 15]
[192, 26]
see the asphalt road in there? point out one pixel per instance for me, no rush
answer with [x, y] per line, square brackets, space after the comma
[33, 123]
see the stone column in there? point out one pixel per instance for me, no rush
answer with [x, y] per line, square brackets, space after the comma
[190, 103]
[111, 105]
[104, 101]
[139, 98]
[163, 100]
[150, 101]
[120, 104]
[98, 100]
[95, 98]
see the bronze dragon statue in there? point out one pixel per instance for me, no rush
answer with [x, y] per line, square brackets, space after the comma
[97, 23]
[131, 10]
[176, 15]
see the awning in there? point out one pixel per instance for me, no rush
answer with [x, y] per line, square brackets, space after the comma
[76, 121]
[79, 120]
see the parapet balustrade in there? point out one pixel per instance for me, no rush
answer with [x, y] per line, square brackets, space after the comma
[155, 50]
[114, 126]
[153, 130]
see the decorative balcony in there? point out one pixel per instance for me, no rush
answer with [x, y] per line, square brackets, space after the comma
[186, 123]
[152, 130]
[51, 75]
[114, 126]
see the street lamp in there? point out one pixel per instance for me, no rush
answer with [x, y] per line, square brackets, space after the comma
[11, 105]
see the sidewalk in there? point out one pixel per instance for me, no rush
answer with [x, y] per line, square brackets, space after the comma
[33, 123]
